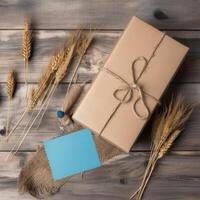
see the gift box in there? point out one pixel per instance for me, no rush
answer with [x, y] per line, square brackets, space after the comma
[131, 83]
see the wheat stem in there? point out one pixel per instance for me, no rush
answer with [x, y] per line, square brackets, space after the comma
[141, 192]
[25, 134]
[14, 146]
[26, 76]
[151, 160]
[149, 165]
[31, 118]
[135, 193]
[55, 71]
[42, 106]
[21, 142]
[47, 104]
[26, 49]
[49, 88]
[167, 126]
[17, 124]
[8, 117]
[81, 50]
[74, 73]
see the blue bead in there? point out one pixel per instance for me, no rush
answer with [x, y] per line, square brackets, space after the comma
[60, 114]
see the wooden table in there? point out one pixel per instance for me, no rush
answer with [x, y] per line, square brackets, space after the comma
[178, 174]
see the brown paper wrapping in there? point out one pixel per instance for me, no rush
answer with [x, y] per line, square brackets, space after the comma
[102, 112]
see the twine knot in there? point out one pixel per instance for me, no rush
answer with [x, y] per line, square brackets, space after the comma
[124, 93]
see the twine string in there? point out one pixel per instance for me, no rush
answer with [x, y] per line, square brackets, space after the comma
[129, 88]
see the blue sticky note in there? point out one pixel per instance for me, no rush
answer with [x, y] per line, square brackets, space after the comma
[72, 154]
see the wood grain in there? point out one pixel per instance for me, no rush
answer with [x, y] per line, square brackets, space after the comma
[8, 176]
[104, 14]
[48, 41]
[177, 177]
[118, 178]
[49, 128]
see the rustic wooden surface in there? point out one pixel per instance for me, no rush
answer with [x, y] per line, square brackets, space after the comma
[177, 177]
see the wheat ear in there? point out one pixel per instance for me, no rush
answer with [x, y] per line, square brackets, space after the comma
[26, 50]
[166, 146]
[62, 69]
[56, 70]
[167, 126]
[161, 153]
[10, 91]
[37, 94]
[70, 51]
[81, 50]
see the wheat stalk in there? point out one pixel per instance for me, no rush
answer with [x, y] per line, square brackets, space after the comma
[10, 91]
[35, 95]
[168, 144]
[61, 71]
[26, 41]
[163, 150]
[10, 84]
[48, 76]
[55, 72]
[26, 49]
[166, 128]
[18, 140]
[30, 100]
[81, 50]
[70, 51]
[57, 66]
[30, 105]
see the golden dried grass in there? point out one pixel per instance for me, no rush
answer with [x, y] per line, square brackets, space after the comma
[26, 50]
[11, 84]
[53, 74]
[167, 126]
[26, 41]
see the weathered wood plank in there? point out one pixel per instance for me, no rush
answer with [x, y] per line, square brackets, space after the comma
[173, 179]
[118, 181]
[49, 128]
[46, 42]
[8, 177]
[104, 14]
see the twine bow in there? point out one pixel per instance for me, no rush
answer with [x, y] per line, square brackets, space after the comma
[129, 89]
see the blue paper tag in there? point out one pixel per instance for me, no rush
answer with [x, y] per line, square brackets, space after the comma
[72, 154]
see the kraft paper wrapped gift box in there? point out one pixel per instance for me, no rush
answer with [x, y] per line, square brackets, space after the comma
[130, 85]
